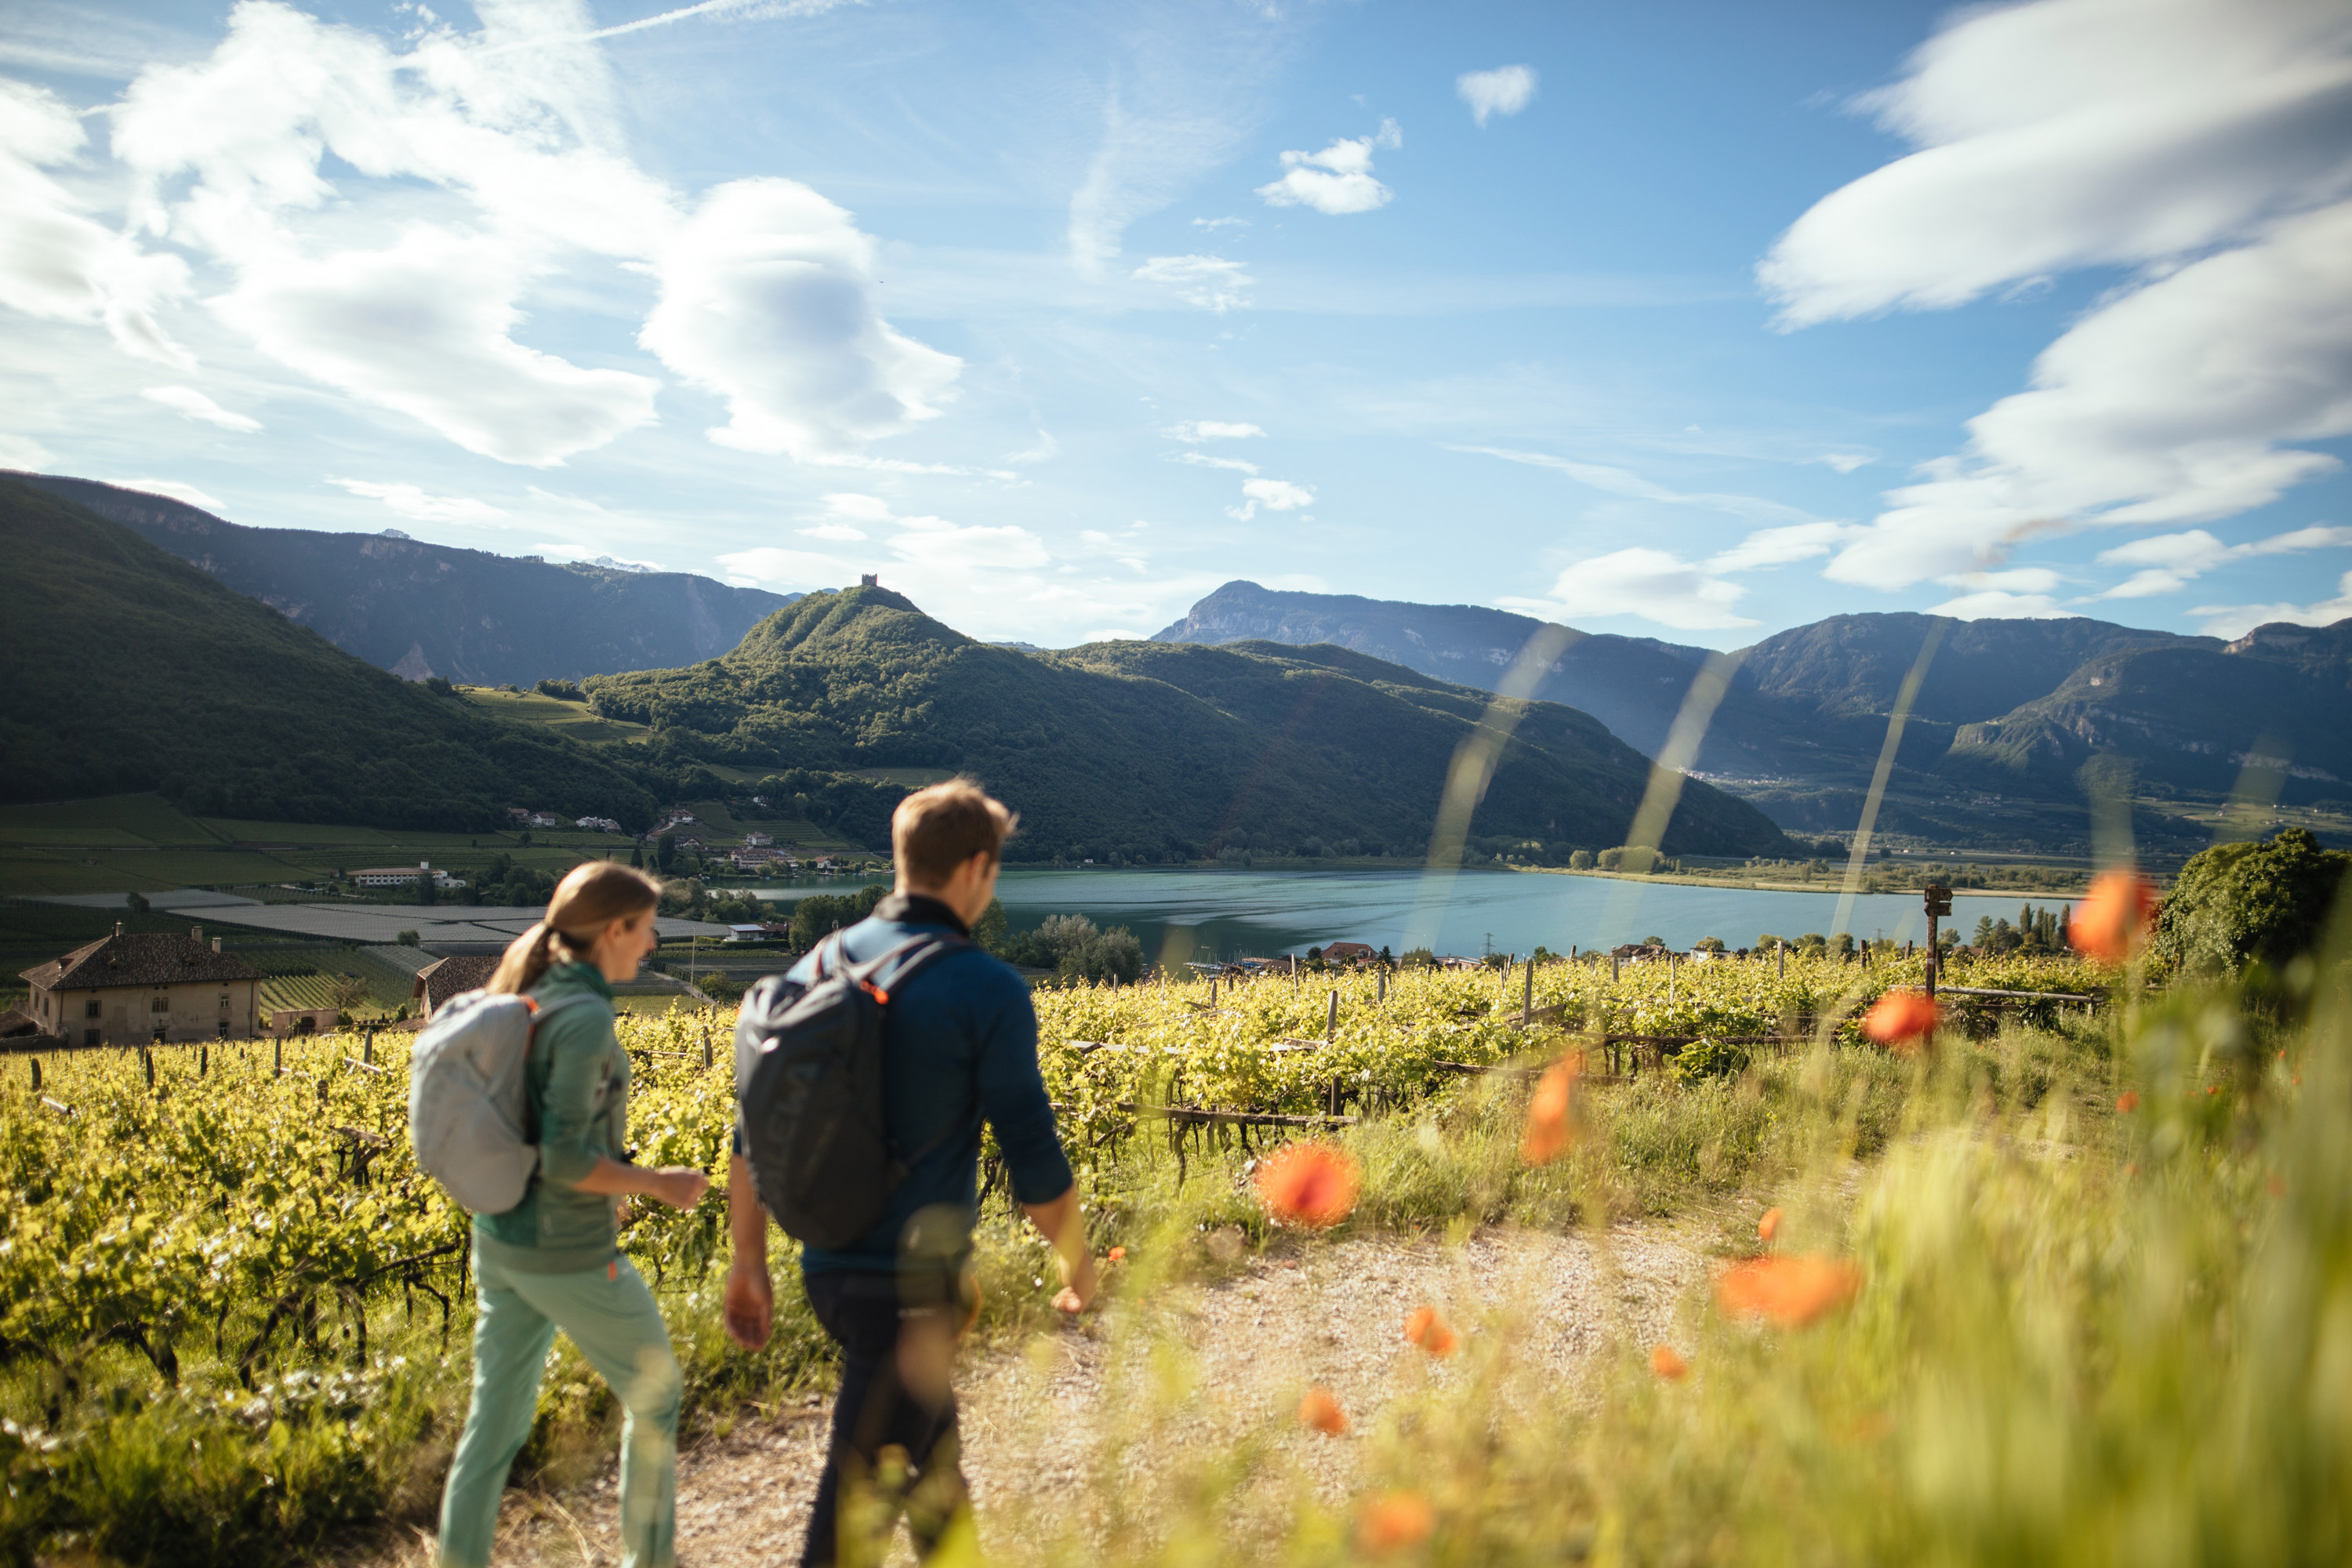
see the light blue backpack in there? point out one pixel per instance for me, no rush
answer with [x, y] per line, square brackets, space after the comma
[469, 1096]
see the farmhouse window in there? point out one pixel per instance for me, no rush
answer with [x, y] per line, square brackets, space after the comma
[89, 1008]
[224, 1001]
[89, 1036]
[223, 1025]
[159, 1003]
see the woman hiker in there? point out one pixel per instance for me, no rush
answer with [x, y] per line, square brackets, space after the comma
[554, 1261]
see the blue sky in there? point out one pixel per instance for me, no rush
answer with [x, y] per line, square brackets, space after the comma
[1692, 320]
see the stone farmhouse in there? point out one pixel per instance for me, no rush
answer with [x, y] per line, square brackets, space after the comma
[125, 990]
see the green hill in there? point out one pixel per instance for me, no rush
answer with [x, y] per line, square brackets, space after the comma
[131, 669]
[1151, 750]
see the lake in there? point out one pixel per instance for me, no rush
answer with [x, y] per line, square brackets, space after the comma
[1202, 914]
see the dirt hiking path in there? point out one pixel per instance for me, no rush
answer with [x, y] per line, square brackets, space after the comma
[1041, 1421]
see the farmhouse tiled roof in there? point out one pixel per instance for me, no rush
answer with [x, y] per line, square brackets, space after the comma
[437, 982]
[140, 959]
[16, 1024]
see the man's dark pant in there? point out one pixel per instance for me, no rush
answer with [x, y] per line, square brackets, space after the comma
[868, 1315]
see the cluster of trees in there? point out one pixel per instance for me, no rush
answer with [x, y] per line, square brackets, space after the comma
[2259, 904]
[1072, 947]
[2036, 932]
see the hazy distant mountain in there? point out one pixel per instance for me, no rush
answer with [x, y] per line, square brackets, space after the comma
[420, 609]
[2007, 709]
[1145, 751]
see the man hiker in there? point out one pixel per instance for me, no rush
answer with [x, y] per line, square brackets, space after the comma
[958, 1043]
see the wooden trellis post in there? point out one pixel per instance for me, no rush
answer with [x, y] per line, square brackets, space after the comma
[1331, 1018]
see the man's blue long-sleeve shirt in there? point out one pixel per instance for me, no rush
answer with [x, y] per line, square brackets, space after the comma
[959, 1043]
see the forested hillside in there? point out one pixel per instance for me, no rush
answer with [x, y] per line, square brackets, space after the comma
[421, 609]
[131, 669]
[1151, 750]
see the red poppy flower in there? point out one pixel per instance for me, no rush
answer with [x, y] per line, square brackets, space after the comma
[1394, 1520]
[1769, 1226]
[1667, 1364]
[2127, 1102]
[1117, 1253]
[1321, 1411]
[1548, 1133]
[1312, 1185]
[1425, 1327]
[1790, 1291]
[2109, 924]
[1900, 1019]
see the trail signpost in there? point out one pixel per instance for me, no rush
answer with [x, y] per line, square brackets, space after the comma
[1940, 903]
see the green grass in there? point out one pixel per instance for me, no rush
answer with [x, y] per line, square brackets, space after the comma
[570, 719]
[118, 820]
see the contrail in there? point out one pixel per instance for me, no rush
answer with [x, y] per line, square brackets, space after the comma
[1904, 697]
[720, 7]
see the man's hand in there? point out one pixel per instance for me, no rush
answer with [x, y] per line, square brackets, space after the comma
[1061, 1223]
[750, 1303]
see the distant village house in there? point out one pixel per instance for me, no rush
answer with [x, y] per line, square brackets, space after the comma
[123, 990]
[598, 825]
[402, 875]
[1349, 953]
[443, 978]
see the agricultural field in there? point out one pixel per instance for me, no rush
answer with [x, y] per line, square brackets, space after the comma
[238, 1261]
[571, 719]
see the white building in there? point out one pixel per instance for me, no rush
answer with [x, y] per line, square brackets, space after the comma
[400, 876]
[598, 825]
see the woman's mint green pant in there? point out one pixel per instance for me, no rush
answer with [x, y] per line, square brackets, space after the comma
[611, 1316]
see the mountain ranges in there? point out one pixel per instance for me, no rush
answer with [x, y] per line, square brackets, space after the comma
[420, 610]
[1154, 752]
[2013, 721]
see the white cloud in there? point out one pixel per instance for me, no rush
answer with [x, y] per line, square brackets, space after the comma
[1995, 604]
[1337, 180]
[193, 405]
[2236, 620]
[173, 488]
[2170, 560]
[767, 300]
[2063, 133]
[1211, 282]
[1655, 584]
[410, 501]
[1782, 546]
[55, 263]
[801, 569]
[1275, 495]
[939, 546]
[1214, 224]
[423, 329]
[1844, 462]
[1505, 90]
[1198, 430]
[836, 531]
[1203, 460]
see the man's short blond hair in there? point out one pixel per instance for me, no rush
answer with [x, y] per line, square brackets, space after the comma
[937, 829]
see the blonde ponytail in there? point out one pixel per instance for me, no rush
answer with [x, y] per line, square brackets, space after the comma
[591, 897]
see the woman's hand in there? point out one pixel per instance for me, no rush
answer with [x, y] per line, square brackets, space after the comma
[680, 1186]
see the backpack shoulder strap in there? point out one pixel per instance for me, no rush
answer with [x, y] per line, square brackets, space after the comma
[898, 966]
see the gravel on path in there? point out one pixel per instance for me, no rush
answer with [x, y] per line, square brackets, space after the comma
[1059, 1433]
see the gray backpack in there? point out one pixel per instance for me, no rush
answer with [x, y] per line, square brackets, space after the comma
[468, 1099]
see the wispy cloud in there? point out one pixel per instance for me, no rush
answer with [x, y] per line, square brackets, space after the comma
[1274, 495]
[2168, 561]
[1211, 282]
[411, 501]
[191, 403]
[1203, 460]
[1211, 431]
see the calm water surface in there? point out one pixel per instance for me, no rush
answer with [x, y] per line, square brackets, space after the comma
[1200, 914]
